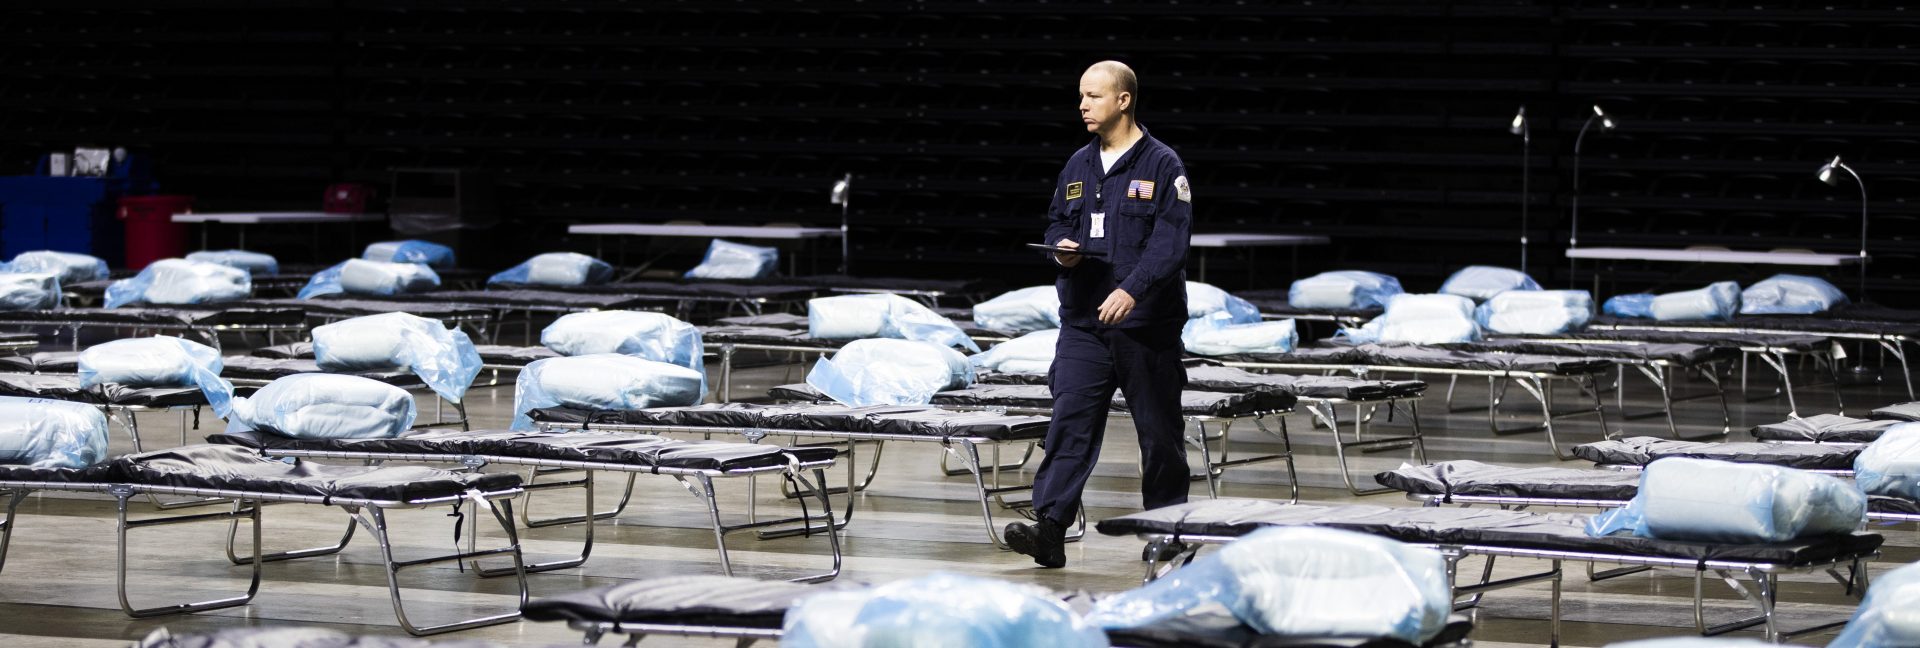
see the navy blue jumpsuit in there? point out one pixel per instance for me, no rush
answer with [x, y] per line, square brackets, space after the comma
[1137, 216]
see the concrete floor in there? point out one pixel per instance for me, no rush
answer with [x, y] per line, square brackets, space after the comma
[58, 585]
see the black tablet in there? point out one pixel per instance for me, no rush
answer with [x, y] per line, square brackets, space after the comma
[1062, 250]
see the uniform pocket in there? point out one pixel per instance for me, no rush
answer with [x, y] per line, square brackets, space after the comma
[1137, 219]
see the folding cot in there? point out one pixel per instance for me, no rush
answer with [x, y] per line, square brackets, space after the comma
[1636, 452]
[1534, 373]
[1834, 428]
[1322, 396]
[751, 299]
[694, 464]
[1472, 482]
[1772, 350]
[503, 304]
[1657, 361]
[94, 292]
[251, 481]
[116, 401]
[330, 309]
[207, 320]
[1200, 408]
[1554, 537]
[1274, 304]
[1892, 335]
[748, 611]
[493, 357]
[961, 434]
[779, 333]
[18, 341]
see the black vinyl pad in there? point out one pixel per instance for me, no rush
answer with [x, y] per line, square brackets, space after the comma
[1640, 451]
[1824, 428]
[493, 354]
[765, 335]
[1899, 412]
[1450, 478]
[295, 637]
[1040, 397]
[1728, 339]
[1467, 526]
[1787, 324]
[1680, 354]
[879, 419]
[226, 467]
[1432, 357]
[47, 362]
[524, 298]
[67, 388]
[257, 368]
[688, 600]
[769, 320]
[231, 313]
[101, 473]
[641, 450]
[669, 290]
[1215, 378]
[343, 305]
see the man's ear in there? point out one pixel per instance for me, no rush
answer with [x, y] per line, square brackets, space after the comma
[1126, 101]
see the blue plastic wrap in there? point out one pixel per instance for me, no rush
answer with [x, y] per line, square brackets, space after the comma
[854, 317]
[1887, 616]
[654, 336]
[1891, 465]
[362, 277]
[556, 269]
[443, 358]
[179, 281]
[1535, 312]
[410, 251]
[1028, 354]
[51, 434]
[1786, 294]
[604, 381]
[252, 262]
[29, 291]
[1701, 500]
[72, 268]
[730, 260]
[939, 609]
[1343, 289]
[1216, 335]
[1481, 283]
[1717, 301]
[1635, 305]
[1205, 299]
[1419, 319]
[1020, 311]
[158, 361]
[1301, 581]
[890, 372]
[325, 406]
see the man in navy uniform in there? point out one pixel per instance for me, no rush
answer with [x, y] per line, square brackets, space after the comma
[1123, 200]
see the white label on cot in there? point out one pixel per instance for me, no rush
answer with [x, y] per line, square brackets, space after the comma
[1099, 226]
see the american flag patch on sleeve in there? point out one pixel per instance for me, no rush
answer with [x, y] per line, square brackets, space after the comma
[1142, 189]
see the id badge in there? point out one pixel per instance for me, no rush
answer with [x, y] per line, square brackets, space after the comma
[1099, 229]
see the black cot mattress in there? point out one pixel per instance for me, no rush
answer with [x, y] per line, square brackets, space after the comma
[203, 315]
[1640, 451]
[670, 291]
[524, 298]
[67, 388]
[1040, 397]
[1469, 526]
[1232, 380]
[1472, 478]
[338, 306]
[1670, 352]
[642, 450]
[1899, 412]
[786, 337]
[48, 362]
[1791, 324]
[233, 468]
[880, 419]
[1431, 357]
[1824, 428]
[1727, 339]
[492, 354]
[268, 369]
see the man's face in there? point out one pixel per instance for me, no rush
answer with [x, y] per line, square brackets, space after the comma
[1100, 103]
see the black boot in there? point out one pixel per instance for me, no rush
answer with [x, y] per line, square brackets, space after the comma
[1046, 542]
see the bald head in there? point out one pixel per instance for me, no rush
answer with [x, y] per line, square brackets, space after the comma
[1118, 79]
[1109, 96]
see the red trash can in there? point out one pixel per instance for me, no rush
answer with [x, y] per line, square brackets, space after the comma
[151, 233]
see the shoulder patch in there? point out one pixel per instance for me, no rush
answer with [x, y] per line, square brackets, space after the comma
[1073, 191]
[1181, 190]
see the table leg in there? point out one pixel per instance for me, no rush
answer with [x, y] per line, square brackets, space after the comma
[203, 234]
[243, 238]
[1203, 265]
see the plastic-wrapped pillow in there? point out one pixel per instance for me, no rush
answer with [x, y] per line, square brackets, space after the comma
[1343, 290]
[730, 260]
[51, 434]
[1891, 465]
[939, 609]
[1714, 302]
[1635, 305]
[604, 381]
[1786, 294]
[179, 281]
[654, 336]
[252, 262]
[72, 268]
[1020, 311]
[1206, 299]
[443, 358]
[1215, 335]
[890, 372]
[1480, 283]
[1701, 500]
[29, 291]
[1887, 616]
[362, 277]
[421, 252]
[1301, 581]
[158, 361]
[854, 317]
[1420, 319]
[1028, 354]
[556, 269]
[1535, 312]
[325, 406]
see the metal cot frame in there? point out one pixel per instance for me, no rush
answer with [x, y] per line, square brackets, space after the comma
[246, 506]
[209, 332]
[1892, 343]
[697, 482]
